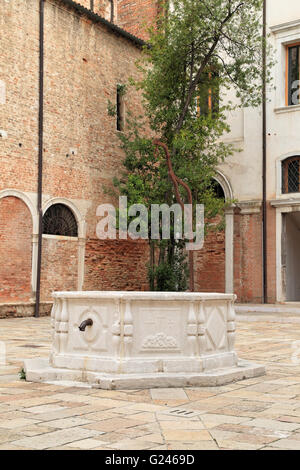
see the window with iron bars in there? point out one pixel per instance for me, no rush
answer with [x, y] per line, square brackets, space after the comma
[60, 220]
[291, 175]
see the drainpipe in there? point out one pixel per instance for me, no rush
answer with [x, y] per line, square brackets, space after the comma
[40, 158]
[112, 11]
[264, 159]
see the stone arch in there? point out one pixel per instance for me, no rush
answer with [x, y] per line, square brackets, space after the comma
[29, 204]
[16, 227]
[224, 182]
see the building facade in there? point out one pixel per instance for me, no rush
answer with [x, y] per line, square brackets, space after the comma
[88, 51]
[268, 271]
[85, 58]
[258, 255]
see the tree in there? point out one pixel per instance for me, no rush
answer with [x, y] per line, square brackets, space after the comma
[197, 51]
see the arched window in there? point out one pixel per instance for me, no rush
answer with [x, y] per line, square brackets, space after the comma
[60, 220]
[291, 175]
[217, 189]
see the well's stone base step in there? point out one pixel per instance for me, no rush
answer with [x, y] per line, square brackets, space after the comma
[39, 370]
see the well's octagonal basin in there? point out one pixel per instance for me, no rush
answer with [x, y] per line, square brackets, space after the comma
[143, 339]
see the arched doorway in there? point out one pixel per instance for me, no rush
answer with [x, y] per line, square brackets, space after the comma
[291, 255]
[214, 263]
[15, 250]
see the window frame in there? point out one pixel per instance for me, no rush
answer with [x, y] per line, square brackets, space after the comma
[212, 98]
[287, 72]
[284, 172]
[120, 109]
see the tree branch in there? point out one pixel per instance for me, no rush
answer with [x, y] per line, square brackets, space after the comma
[194, 83]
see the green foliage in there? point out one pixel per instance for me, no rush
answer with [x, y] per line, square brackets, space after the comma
[22, 374]
[121, 88]
[111, 109]
[170, 277]
[224, 36]
[200, 49]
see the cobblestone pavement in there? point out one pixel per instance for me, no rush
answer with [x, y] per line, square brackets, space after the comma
[261, 413]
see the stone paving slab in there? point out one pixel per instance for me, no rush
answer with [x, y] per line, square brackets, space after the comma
[258, 413]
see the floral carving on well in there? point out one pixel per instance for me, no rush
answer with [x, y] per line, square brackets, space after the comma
[160, 341]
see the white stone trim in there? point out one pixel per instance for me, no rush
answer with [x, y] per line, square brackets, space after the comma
[282, 206]
[287, 109]
[249, 207]
[23, 196]
[289, 205]
[229, 228]
[229, 250]
[35, 228]
[224, 182]
[81, 263]
[35, 246]
[60, 237]
[284, 27]
[285, 34]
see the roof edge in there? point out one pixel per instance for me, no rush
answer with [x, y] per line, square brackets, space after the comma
[99, 19]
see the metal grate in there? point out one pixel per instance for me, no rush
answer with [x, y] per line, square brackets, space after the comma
[60, 220]
[183, 413]
[293, 176]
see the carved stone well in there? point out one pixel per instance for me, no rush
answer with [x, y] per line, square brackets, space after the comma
[142, 340]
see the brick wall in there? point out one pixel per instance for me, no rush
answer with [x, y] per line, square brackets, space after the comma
[15, 250]
[84, 62]
[210, 264]
[59, 266]
[116, 265]
[137, 16]
[19, 48]
[248, 257]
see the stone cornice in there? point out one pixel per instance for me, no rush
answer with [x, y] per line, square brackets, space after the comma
[285, 202]
[249, 207]
[285, 26]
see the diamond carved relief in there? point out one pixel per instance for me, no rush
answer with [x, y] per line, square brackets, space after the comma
[216, 329]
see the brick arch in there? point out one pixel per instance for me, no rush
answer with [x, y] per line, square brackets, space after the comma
[15, 250]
